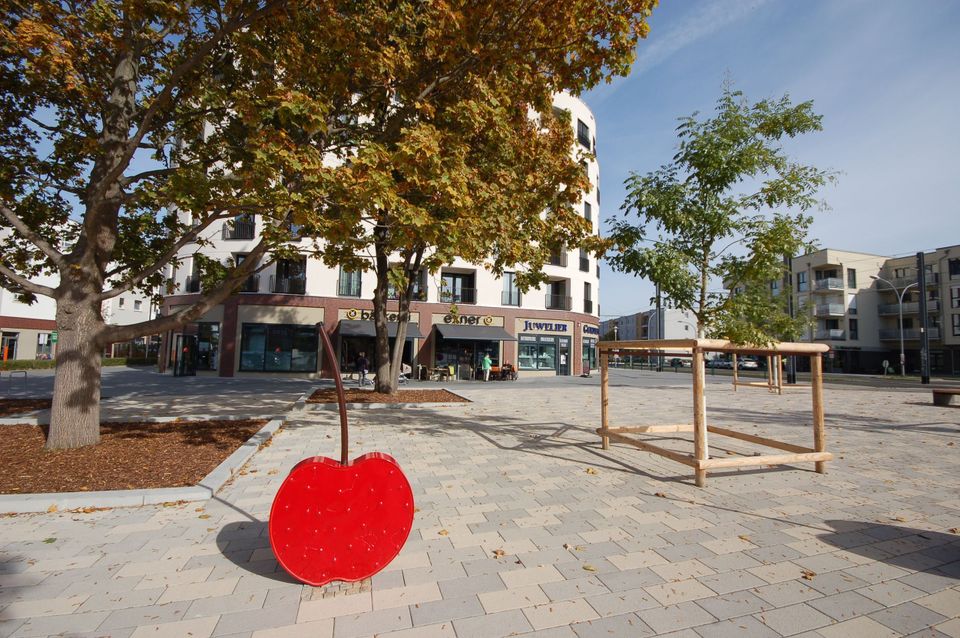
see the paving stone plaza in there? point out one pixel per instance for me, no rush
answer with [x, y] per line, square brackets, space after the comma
[526, 527]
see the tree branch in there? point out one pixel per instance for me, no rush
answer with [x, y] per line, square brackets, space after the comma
[24, 283]
[157, 172]
[55, 256]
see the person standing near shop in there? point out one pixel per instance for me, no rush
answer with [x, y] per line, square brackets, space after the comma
[487, 362]
[363, 365]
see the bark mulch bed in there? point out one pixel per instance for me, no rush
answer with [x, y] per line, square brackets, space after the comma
[356, 395]
[13, 407]
[129, 456]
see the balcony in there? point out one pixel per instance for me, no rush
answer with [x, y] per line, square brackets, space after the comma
[909, 334]
[558, 302]
[830, 335]
[830, 310]
[559, 259]
[588, 306]
[828, 284]
[288, 285]
[462, 295]
[238, 230]
[192, 284]
[251, 284]
[932, 279]
[510, 298]
[909, 308]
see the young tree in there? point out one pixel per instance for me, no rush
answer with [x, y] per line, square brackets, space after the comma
[461, 155]
[727, 186]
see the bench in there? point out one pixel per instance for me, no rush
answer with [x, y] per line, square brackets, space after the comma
[944, 395]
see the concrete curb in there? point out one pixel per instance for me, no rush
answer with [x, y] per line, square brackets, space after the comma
[45, 419]
[384, 406]
[208, 486]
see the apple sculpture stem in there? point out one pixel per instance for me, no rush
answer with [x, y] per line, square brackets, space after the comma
[340, 520]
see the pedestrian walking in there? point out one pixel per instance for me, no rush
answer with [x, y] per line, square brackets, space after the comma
[487, 362]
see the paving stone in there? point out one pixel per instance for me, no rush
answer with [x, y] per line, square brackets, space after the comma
[675, 617]
[64, 624]
[786, 593]
[892, 593]
[371, 622]
[908, 617]
[517, 598]
[734, 604]
[253, 620]
[555, 614]
[794, 619]
[196, 628]
[226, 604]
[726, 582]
[680, 591]
[845, 606]
[626, 625]
[835, 582]
[446, 610]
[622, 602]
[505, 623]
[861, 627]
[745, 627]
[574, 588]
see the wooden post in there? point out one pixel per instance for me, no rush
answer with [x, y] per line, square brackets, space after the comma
[779, 374]
[604, 397]
[733, 358]
[816, 385]
[699, 415]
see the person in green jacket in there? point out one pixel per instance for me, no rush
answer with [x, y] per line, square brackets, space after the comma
[487, 362]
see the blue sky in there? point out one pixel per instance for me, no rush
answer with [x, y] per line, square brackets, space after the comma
[885, 75]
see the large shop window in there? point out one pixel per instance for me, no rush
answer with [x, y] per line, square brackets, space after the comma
[589, 356]
[545, 353]
[278, 348]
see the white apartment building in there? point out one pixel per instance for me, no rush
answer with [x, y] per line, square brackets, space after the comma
[271, 325]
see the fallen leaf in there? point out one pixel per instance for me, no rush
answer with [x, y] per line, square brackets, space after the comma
[51, 509]
[49, 540]
[900, 518]
[204, 516]
[273, 472]
[587, 567]
[808, 575]
[954, 530]
[744, 537]
[498, 553]
[660, 495]
[443, 532]
[590, 470]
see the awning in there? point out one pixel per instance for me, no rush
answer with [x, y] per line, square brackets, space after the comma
[356, 328]
[474, 333]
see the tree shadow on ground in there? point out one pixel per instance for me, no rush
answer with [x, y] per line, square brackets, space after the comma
[916, 550]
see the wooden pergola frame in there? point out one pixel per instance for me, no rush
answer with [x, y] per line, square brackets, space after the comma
[700, 460]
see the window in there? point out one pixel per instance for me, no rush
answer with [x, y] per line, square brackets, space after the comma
[349, 283]
[955, 296]
[291, 277]
[419, 292]
[587, 211]
[561, 114]
[854, 326]
[457, 288]
[240, 227]
[587, 298]
[120, 302]
[278, 348]
[137, 305]
[956, 325]
[583, 134]
[852, 304]
[953, 267]
[511, 294]
[557, 298]
[584, 260]
[558, 257]
[802, 285]
[775, 287]
[44, 345]
[899, 273]
[544, 353]
[851, 278]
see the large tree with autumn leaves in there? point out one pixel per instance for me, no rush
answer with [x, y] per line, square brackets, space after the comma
[128, 128]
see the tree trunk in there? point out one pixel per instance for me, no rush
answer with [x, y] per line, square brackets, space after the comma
[385, 381]
[75, 413]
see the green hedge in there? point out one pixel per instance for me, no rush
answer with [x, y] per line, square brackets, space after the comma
[49, 364]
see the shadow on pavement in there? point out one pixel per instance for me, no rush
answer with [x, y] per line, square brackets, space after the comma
[935, 553]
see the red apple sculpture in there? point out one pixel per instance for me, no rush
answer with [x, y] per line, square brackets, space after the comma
[340, 520]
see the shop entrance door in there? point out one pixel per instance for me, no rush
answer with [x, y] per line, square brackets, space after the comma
[8, 345]
[563, 368]
[186, 353]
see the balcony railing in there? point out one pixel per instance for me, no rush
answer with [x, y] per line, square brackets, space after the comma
[288, 285]
[559, 259]
[828, 283]
[251, 284]
[462, 295]
[909, 308]
[588, 306]
[192, 284]
[238, 230]
[830, 335]
[348, 287]
[394, 294]
[932, 279]
[830, 310]
[559, 302]
[909, 334]
[510, 298]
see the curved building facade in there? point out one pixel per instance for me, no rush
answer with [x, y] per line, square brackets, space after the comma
[271, 325]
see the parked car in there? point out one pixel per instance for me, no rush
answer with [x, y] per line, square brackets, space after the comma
[748, 364]
[677, 362]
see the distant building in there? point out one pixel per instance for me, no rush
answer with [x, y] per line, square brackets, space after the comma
[676, 324]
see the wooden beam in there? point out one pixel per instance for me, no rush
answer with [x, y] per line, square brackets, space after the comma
[733, 360]
[642, 429]
[770, 459]
[604, 398]
[760, 440]
[754, 384]
[699, 417]
[816, 383]
[679, 457]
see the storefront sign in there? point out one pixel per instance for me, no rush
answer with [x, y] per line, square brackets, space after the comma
[468, 320]
[543, 326]
[591, 330]
[356, 314]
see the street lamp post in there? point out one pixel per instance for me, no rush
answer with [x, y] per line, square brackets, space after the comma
[900, 295]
